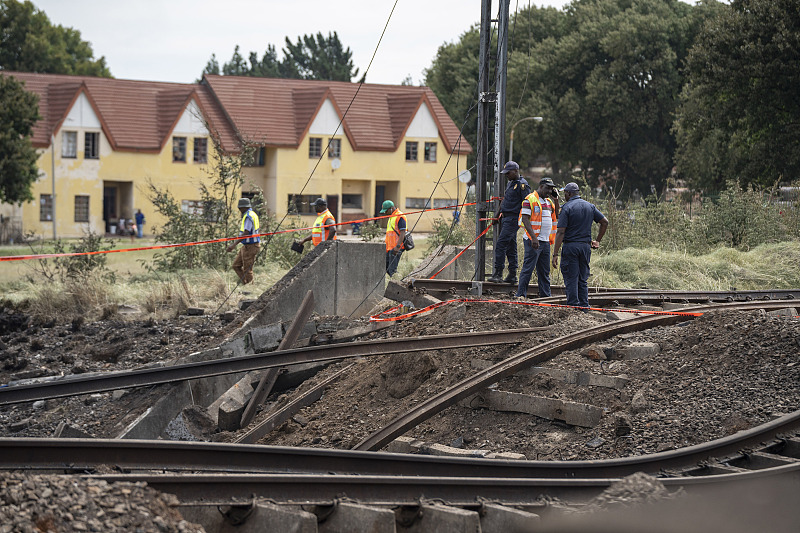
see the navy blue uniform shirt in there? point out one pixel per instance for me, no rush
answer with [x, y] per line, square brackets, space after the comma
[576, 218]
[516, 191]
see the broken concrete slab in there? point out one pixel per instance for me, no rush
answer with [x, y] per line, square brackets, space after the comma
[449, 451]
[191, 424]
[404, 445]
[495, 517]
[263, 338]
[401, 293]
[351, 517]
[788, 311]
[263, 517]
[636, 350]
[673, 306]
[65, 431]
[573, 413]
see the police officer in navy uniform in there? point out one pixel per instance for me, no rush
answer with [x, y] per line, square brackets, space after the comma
[507, 218]
[575, 232]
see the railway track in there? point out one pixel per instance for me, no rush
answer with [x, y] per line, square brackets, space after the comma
[767, 456]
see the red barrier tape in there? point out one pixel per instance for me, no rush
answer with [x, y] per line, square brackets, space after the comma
[461, 252]
[377, 318]
[165, 246]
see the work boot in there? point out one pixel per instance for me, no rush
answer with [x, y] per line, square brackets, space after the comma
[495, 279]
[511, 278]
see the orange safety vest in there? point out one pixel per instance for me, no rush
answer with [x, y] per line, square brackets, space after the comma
[391, 231]
[536, 218]
[318, 233]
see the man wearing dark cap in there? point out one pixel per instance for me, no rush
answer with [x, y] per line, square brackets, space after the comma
[575, 233]
[538, 221]
[248, 236]
[507, 219]
[323, 229]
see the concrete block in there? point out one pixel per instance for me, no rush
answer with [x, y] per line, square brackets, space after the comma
[264, 338]
[637, 350]
[195, 311]
[404, 445]
[449, 451]
[244, 304]
[401, 293]
[229, 415]
[240, 394]
[511, 456]
[496, 517]
[234, 348]
[673, 306]
[454, 313]
[617, 315]
[573, 413]
[264, 517]
[354, 518]
[65, 431]
[789, 311]
[441, 519]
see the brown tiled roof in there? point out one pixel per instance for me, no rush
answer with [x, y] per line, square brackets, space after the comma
[278, 112]
[135, 115]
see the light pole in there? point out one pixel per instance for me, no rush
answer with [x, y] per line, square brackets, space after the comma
[511, 137]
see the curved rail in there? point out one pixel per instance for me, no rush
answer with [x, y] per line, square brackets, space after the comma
[82, 454]
[533, 356]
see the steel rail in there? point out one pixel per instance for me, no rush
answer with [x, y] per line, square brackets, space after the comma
[323, 488]
[530, 357]
[457, 285]
[82, 454]
[73, 386]
[656, 296]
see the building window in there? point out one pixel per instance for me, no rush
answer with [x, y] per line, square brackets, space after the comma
[69, 144]
[179, 149]
[192, 207]
[417, 203]
[259, 156]
[46, 207]
[300, 204]
[314, 147]
[352, 201]
[81, 209]
[91, 147]
[200, 150]
[430, 152]
[443, 202]
[335, 148]
[411, 151]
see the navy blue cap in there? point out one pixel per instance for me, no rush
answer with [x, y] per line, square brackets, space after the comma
[509, 167]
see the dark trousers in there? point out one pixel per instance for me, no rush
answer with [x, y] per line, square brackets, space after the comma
[506, 246]
[575, 258]
[538, 258]
[392, 260]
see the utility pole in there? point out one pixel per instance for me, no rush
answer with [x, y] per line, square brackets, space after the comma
[500, 110]
[484, 100]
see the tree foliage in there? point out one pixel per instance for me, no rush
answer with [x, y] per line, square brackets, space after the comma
[19, 111]
[738, 117]
[29, 42]
[311, 58]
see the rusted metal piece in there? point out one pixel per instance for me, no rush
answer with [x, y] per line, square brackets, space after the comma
[74, 386]
[285, 413]
[530, 357]
[269, 377]
[406, 490]
[82, 454]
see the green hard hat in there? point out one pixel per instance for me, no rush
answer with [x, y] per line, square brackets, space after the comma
[387, 205]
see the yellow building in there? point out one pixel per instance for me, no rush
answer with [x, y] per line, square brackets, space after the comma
[102, 141]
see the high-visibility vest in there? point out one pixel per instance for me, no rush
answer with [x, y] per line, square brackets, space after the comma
[536, 217]
[391, 229]
[256, 226]
[318, 233]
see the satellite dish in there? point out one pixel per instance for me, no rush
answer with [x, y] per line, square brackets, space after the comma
[336, 163]
[465, 176]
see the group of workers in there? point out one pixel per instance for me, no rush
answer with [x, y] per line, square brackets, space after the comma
[324, 229]
[546, 224]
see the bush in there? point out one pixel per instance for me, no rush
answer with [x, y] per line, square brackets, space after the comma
[79, 268]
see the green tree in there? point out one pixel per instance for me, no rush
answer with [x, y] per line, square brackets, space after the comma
[312, 58]
[19, 111]
[29, 42]
[739, 110]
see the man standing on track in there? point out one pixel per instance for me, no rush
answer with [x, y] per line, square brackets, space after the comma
[575, 232]
[538, 220]
[248, 233]
[507, 220]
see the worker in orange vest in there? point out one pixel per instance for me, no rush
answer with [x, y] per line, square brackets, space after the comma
[395, 234]
[538, 217]
[319, 232]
